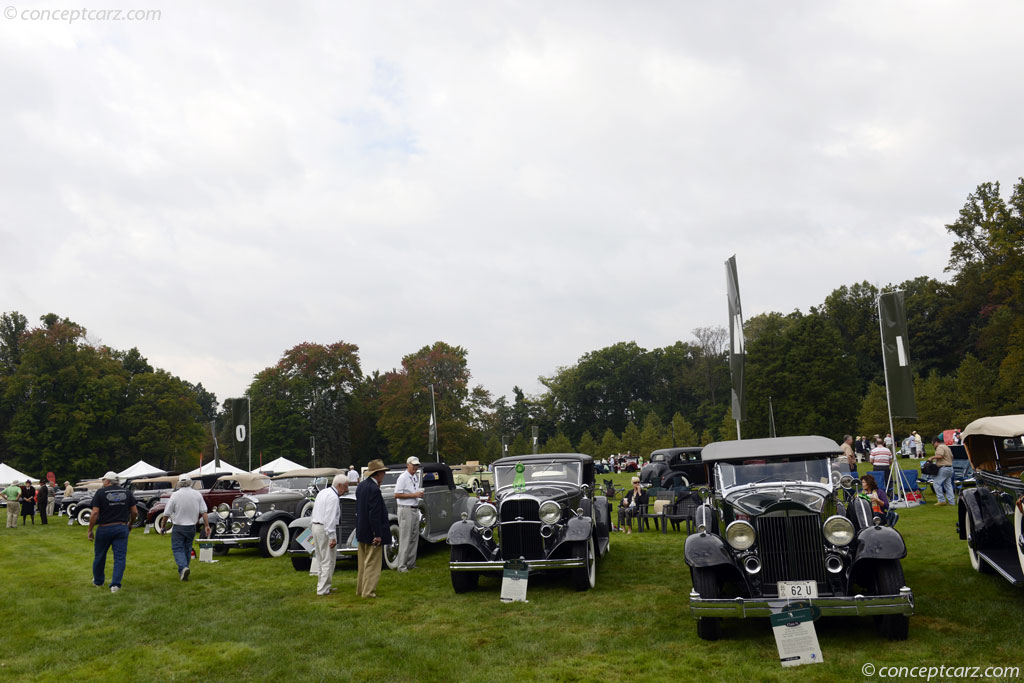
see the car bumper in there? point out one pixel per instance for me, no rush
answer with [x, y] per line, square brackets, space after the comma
[340, 552]
[533, 565]
[853, 606]
[231, 540]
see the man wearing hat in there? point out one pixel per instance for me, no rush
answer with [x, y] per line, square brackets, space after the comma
[407, 491]
[373, 531]
[113, 513]
[324, 523]
[11, 494]
[184, 509]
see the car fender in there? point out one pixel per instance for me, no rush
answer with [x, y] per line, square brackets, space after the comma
[301, 523]
[860, 513]
[706, 550]
[464, 532]
[705, 516]
[578, 529]
[271, 516]
[879, 543]
[985, 509]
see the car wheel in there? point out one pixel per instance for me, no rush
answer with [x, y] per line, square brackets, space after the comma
[307, 509]
[140, 521]
[274, 539]
[83, 515]
[888, 581]
[70, 510]
[162, 524]
[221, 550]
[977, 563]
[391, 549]
[584, 578]
[301, 563]
[463, 582]
[705, 582]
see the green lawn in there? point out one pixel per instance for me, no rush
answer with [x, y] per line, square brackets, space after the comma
[246, 617]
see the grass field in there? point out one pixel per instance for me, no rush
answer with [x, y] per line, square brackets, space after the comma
[246, 617]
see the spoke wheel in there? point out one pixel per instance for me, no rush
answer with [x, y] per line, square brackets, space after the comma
[391, 549]
[84, 515]
[274, 539]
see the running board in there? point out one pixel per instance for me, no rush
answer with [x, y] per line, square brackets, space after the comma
[1006, 563]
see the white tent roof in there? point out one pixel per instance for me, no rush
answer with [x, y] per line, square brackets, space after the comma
[139, 469]
[279, 465]
[8, 474]
[210, 468]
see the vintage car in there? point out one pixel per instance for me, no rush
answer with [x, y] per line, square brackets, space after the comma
[144, 489]
[783, 526]
[218, 490]
[471, 475]
[674, 468]
[442, 502]
[261, 519]
[83, 491]
[989, 516]
[545, 513]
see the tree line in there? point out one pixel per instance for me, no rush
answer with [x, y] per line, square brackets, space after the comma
[77, 408]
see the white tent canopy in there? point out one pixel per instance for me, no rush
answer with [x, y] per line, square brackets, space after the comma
[279, 465]
[210, 468]
[140, 469]
[8, 475]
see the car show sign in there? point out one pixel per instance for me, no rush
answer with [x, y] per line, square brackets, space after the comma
[892, 321]
[796, 638]
[514, 579]
[240, 418]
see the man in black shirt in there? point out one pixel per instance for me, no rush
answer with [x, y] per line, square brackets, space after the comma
[113, 512]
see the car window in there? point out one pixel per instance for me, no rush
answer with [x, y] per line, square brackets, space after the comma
[761, 471]
[566, 472]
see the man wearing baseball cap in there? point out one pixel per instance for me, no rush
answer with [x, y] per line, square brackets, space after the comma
[113, 513]
[184, 509]
[407, 490]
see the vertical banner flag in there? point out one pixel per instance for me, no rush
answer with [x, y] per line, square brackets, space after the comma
[892, 320]
[432, 428]
[736, 345]
[536, 432]
[216, 450]
[240, 420]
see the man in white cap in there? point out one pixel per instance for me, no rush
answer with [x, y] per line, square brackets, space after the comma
[184, 509]
[407, 490]
[324, 522]
[113, 513]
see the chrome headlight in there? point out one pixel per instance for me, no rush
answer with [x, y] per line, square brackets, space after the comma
[550, 512]
[846, 481]
[838, 530]
[249, 509]
[486, 515]
[224, 510]
[740, 535]
[221, 528]
[236, 528]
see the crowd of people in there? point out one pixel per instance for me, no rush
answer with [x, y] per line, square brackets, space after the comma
[26, 499]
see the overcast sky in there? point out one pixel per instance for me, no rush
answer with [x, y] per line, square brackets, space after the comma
[529, 180]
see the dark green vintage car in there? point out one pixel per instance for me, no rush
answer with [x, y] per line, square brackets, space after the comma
[783, 525]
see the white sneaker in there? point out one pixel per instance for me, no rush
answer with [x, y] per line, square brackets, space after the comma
[114, 589]
[184, 573]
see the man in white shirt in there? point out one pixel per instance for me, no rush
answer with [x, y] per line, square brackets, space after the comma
[184, 509]
[407, 490]
[326, 515]
[353, 475]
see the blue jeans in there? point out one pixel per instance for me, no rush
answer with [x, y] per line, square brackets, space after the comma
[181, 544]
[106, 537]
[943, 484]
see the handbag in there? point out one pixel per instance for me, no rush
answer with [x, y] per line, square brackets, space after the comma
[929, 468]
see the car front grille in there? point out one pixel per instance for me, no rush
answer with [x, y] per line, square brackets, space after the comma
[791, 548]
[348, 520]
[521, 538]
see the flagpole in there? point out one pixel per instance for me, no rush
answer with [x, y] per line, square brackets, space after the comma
[433, 414]
[248, 402]
[888, 403]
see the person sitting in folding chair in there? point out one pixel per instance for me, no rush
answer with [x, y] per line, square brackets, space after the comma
[879, 501]
[632, 505]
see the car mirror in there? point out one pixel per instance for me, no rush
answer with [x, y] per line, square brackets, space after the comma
[704, 492]
[585, 488]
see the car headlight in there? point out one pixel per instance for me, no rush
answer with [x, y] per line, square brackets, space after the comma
[249, 509]
[740, 535]
[224, 510]
[221, 528]
[486, 515]
[550, 512]
[846, 481]
[236, 528]
[838, 530]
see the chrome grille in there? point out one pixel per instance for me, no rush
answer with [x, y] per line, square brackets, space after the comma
[521, 539]
[347, 522]
[791, 549]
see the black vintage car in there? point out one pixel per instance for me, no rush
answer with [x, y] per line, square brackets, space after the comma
[261, 519]
[989, 515]
[779, 528]
[674, 468]
[442, 502]
[545, 513]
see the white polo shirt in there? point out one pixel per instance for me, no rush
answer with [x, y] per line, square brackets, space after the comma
[407, 483]
[185, 507]
[327, 511]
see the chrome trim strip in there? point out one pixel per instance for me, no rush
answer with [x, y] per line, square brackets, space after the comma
[857, 605]
[497, 565]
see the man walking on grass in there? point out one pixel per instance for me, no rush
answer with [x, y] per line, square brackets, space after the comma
[324, 522]
[113, 513]
[184, 509]
[11, 494]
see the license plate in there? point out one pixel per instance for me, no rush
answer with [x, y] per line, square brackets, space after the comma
[798, 589]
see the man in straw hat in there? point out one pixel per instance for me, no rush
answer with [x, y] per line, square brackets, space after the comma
[373, 531]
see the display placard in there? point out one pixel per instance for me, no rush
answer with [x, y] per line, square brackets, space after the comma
[305, 539]
[796, 637]
[514, 580]
[205, 552]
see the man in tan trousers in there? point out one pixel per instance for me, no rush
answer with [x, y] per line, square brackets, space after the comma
[373, 530]
[11, 494]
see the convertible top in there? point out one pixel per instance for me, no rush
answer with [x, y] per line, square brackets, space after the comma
[986, 442]
[308, 472]
[542, 457]
[780, 447]
[1003, 425]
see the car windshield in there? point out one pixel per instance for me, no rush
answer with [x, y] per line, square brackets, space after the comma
[391, 477]
[298, 483]
[754, 471]
[557, 471]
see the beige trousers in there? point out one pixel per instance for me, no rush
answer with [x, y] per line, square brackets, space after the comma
[369, 557]
[326, 557]
[13, 510]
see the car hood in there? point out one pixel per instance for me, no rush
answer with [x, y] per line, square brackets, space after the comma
[280, 496]
[541, 493]
[758, 500]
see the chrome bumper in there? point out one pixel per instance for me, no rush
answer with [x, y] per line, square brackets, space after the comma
[498, 565]
[341, 552]
[852, 606]
[232, 540]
